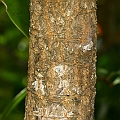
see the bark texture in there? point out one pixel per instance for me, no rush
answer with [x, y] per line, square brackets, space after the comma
[62, 72]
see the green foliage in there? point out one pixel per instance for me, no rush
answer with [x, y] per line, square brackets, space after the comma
[18, 11]
[18, 98]
[13, 67]
[107, 105]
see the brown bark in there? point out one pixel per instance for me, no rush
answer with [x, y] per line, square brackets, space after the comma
[62, 72]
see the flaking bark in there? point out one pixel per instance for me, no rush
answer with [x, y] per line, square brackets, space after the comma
[62, 72]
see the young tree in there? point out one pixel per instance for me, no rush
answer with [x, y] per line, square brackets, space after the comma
[62, 72]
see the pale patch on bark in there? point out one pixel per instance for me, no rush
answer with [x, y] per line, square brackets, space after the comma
[87, 46]
[60, 69]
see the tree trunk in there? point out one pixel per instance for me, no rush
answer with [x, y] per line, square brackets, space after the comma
[62, 72]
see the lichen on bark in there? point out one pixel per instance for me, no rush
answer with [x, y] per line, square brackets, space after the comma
[62, 72]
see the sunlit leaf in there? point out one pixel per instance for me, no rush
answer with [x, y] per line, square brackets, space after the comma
[18, 98]
[116, 81]
[18, 11]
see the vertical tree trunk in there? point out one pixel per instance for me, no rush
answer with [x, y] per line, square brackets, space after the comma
[62, 73]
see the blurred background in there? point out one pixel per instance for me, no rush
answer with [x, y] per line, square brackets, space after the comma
[14, 59]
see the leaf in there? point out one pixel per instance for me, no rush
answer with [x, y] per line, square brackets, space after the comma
[18, 98]
[102, 71]
[116, 81]
[18, 11]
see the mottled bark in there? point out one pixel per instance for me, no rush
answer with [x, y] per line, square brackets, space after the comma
[62, 72]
